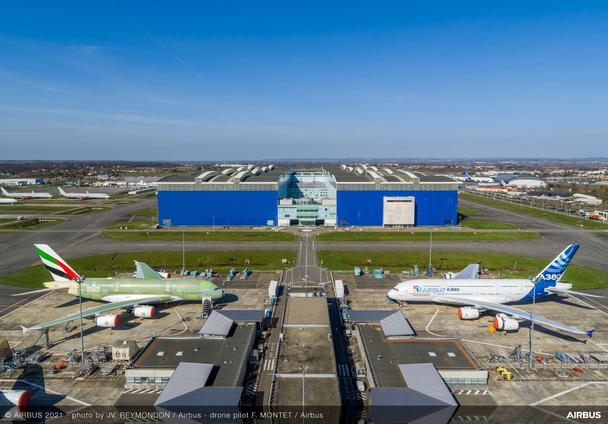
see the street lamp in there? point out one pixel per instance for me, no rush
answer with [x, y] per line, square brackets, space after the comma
[303, 369]
[79, 282]
[531, 361]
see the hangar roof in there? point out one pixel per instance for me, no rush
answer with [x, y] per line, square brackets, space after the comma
[270, 174]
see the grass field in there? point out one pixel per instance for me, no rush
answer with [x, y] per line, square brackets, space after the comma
[539, 213]
[29, 224]
[50, 209]
[424, 235]
[482, 224]
[468, 212]
[199, 235]
[131, 225]
[146, 212]
[34, 208]
[511, 266]
[111, 264]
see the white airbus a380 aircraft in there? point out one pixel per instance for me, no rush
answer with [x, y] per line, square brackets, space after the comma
[481, 295]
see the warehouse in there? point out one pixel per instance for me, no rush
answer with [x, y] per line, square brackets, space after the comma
[331, 195]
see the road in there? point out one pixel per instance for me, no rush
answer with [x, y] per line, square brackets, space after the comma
[594, 244]
[74, 235]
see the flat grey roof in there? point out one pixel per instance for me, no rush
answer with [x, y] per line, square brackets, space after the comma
[250, 315]
[216, 325]
[396, 325]
[229, 355]
[371, 315]
[384, 355]
[425, 379]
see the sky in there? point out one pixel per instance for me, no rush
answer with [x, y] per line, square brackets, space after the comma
[211, 80]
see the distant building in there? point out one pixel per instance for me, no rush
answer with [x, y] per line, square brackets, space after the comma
[586, 199]
[20, 181]
[521, 181]
[142, 181]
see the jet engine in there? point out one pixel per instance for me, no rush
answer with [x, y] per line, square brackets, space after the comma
[19, 398]
[144, 311]
[468, 312]
[108, 320]
[503, 322]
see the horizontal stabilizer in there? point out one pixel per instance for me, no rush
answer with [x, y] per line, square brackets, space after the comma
[33, 292]
[572, 292]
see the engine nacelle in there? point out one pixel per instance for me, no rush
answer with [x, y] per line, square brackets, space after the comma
[108, 321]
[144, 311]
[19, 398]
[504, 323]
[468, 313]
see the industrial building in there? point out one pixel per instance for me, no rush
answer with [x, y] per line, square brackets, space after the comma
[20, 181]
[331, 195]
[156, 363]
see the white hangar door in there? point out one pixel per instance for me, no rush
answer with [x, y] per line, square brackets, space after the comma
[398, 211]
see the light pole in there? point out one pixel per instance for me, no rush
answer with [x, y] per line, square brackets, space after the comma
[531, 362]
[303, 368]
[79, 282]
[430, 269]
[183, 251]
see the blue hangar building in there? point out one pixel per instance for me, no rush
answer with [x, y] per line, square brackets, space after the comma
[329, 195]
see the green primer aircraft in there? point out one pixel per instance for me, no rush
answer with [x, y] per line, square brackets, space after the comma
[140, 292]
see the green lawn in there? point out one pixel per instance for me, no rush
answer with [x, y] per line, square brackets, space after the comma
[424, 235]
[146, 212]
[23, 207]
[110, 264]
[527, 210]
[482, 224]
[29, 224]
[164, 234]
[468, 212]
[50, 209]
[131, 225]
[511, 266]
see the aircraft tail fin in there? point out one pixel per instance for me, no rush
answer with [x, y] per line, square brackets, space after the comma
[590, 333]
[61, 191]
[6, 193]
[144, 271]
[59, 269]
[24, 329]
[556, 269]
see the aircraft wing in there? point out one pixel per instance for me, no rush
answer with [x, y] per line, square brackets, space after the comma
[470, 272]
[144, 271]
[106, 307]
[516, 313]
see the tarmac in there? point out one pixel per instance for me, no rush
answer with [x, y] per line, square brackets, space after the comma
[79, 235]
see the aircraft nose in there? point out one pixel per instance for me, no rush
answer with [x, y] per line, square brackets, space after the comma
[392, 293]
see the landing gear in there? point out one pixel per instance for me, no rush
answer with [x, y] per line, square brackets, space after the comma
[47, 341]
